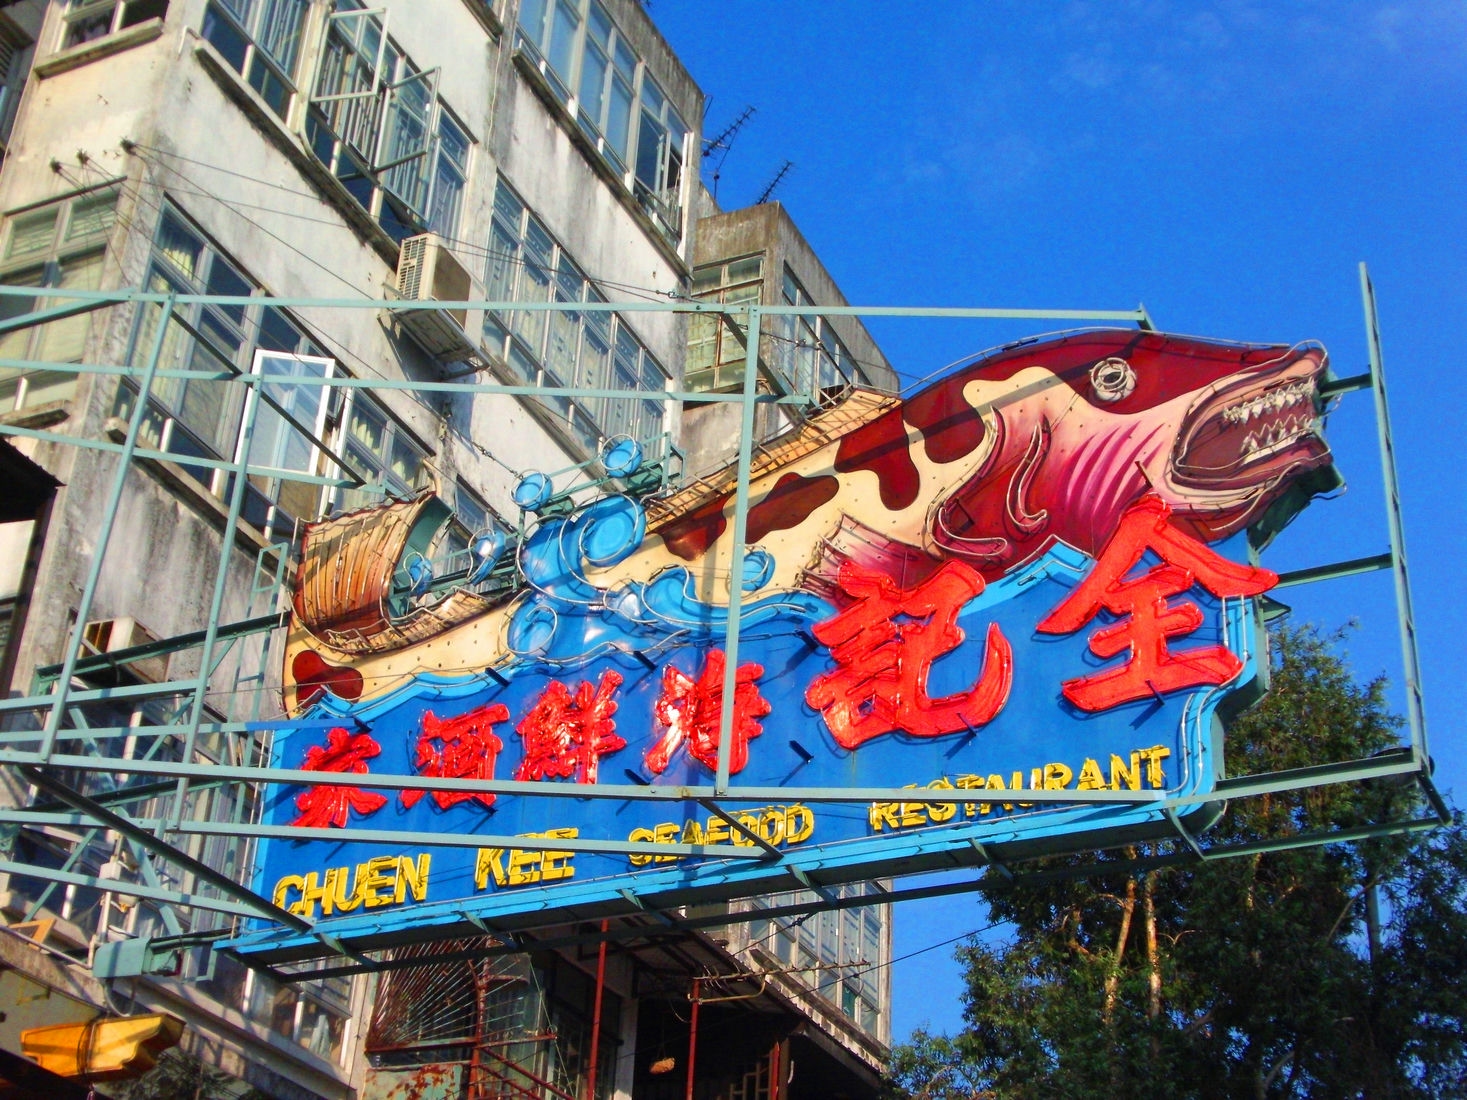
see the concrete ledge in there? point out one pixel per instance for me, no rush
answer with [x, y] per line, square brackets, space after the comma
[38, 416]
[488, 18]
[77, 56]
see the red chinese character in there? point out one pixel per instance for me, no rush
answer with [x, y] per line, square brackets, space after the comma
[322, 807]
[467, 748]
[567, 734]
[1147, 619]
[691, 711]
[884, 645]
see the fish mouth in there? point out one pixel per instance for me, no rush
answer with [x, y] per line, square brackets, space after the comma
[1250, 429]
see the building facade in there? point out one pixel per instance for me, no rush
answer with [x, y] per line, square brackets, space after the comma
[271, 173]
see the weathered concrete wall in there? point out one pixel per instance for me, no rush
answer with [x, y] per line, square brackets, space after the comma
[711, 430]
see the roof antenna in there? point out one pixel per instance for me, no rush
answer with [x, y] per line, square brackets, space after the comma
[725, 137]
[775, 182]
[723, 142]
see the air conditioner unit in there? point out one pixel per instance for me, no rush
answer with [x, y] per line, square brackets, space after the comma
[111, 635]
[428, 271]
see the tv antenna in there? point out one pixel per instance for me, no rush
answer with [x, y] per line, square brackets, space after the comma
[724, 139]
[723, 142]
[775, 182]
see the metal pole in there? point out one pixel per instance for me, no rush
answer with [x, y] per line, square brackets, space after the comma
[693, 1035]
[736, 562]
[1410, 655]
[596, 1012]
[109, 517]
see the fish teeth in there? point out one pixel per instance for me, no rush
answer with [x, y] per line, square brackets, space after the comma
[1273, 401]
[1277, 436]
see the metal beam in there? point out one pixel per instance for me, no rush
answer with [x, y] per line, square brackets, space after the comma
[44, 316]
[770, 851]
[619, 792]
[1335, 570]
[1406, 617]
[1337, 386]
[103, 816]
[175, 644]
[728, 710]
[131, 889]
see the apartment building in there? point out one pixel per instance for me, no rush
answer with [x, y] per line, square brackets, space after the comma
[248, 185]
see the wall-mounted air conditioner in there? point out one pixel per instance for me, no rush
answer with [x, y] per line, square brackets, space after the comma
[428, 271]
[112, 635]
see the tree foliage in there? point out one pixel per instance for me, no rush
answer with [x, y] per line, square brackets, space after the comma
[1264, 975]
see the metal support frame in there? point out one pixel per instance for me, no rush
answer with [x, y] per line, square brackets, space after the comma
[60, 689]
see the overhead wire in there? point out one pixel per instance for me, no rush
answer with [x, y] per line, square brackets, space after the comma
[461, 244]
[640, 291]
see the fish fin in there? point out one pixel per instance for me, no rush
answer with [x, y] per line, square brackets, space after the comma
[852, 540]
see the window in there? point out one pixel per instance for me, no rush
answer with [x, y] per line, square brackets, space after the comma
[604, 99]
[840, 953]
[377, 123]
[201, 418]
[591, 69]
[88, 20]
[312, 1015]
[661, 139]
[381, 452]
[808, 353]
[471, 517]
[718, 345]
[14, 68]
[62, 245]
[595, 350]
[261, 39]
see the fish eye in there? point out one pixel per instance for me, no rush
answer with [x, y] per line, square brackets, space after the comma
[1112, 379]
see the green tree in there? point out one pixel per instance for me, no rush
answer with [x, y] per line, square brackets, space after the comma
[1258, 976]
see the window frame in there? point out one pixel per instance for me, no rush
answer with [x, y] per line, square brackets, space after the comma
[836, 938]
[53, 261]
[169, 423]
[655, 177]
[820, 357]
[78, 12]
[524, 251]
[257, 65]
[364, 461]
[723, 284]
[368, 72]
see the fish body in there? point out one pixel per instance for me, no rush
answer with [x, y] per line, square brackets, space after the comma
[1041, 443]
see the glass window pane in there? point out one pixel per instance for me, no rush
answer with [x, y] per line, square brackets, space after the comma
[225, 280]
[278, 332]
[532, 21]
[91, 214]
[62, 340]
[504, 251]
[31, 233]
[650, 138]
[366, 425]
[619, 113]
[279, 31]
[528, 325]
[13, 344]
[594, 64]
[179, 245]
[563, 38]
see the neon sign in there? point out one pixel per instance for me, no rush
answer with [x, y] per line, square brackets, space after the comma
[1033, 575]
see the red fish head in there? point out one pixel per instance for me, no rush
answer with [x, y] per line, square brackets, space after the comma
[1075, 429]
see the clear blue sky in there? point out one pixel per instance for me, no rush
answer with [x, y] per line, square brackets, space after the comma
[1228, 164]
